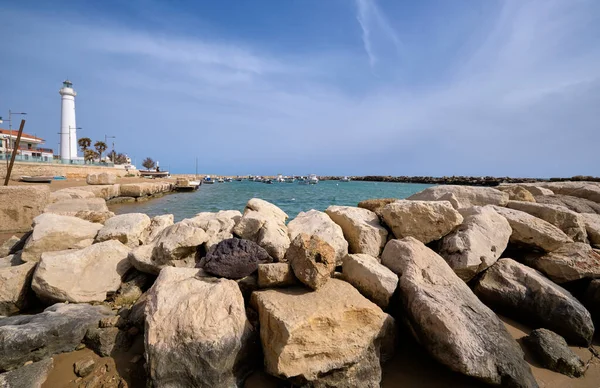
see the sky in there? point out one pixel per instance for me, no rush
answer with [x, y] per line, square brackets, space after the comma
[331, 87]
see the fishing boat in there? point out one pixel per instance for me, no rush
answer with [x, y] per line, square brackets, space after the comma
[312, 179]
[208, 180]
[37, 179]
[220, 180]
[268, 181]
[228, 179]
[186, 185]
[239, 178]
[345, 179]
[279, 178]
[153, 174]
[289, 179]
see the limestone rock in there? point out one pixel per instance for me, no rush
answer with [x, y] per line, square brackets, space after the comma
[477, 243]
[197, 333]
[523, 293]
[14, 285]
[53, 232]
[532, 231]
[450, 322]
[361, 229]
[249, 225]
[218, 226]
[552, 350]
[316, 223]
[536, 190]
[264, 207]
[89, 209]
[328, 334]
[274, 238]
[28, 376]
[9, 246]
[105, 192]
[33, 337]
[11, 261]
[585, 190]
[177, 242]
[141, 258]
[375, 205]
[570, 262]
[144, 189]
[130, 229]
[235, 258]
[103, 178]
[592, 226]
[70, 193]
[84, 366]
[517, 193]
[424, 220]
[566, 220]
[372, 279]
[312, 260]
[462, 196]
[276, 275]
[578, 205]
[80, 276]
[157, 225]
[19, 205]
[106, 341]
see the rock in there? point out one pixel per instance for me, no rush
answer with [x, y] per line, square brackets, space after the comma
[157, 225]
[103, 178]
[373, 280]
[177, 242]
[450, 322]
[11, 261]
[106, 341]
[328, 334]
[28, 376]
[14, 285]
[312, 260]
[552, 351]
[53, 232]
[585, 190]
[250, 225]
[235, 258]
[218, 226]
[566, 220]
[462, 196]
[197, 333]
[141, 259]
[130, 229]
[8, 246]
[532, 231]
[145, 189]
[578, 205]
[477, 243]
[570, 262]
[592, 227]
[137, 315]
[19, 205]
[105, 192]
[316, 223]
[361, 229]
[517, 193]
[89, 209]
[537, 191]
[424, 220]
[80, 276]
[70, 193]
[591, 300]
[276, 275]
[375, 205]
[84, 367]
[110, 321]
[264, 207]
[247, 285]
[34, 337]
[274, 238]
[523, 293]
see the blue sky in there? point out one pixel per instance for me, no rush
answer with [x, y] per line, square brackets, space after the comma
[346, 87]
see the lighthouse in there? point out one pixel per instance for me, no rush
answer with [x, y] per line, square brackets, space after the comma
[68, 128]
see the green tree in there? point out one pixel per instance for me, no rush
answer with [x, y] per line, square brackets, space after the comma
[121, 158]
[84, 143]
[90, 155]
[100, 147]
[148, 163]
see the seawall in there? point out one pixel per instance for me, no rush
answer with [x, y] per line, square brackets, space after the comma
[70, 171]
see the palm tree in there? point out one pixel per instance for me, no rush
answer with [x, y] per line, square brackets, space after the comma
[100, 147]
[84, 143]
[90, 155]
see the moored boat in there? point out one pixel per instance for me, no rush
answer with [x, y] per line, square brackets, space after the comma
[37, 179]
[154, 174]
[220, 180]
[345, 179]
[312, 179]
[208, 180]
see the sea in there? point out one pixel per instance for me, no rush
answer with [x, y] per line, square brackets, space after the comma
[292, 198]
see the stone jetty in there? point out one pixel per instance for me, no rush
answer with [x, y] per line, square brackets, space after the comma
[321, 301]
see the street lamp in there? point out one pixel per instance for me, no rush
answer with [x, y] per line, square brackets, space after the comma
[113, 146]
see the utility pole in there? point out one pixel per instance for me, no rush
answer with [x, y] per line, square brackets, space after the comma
[106, 137]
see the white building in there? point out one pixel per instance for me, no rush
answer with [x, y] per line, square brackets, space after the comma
[68, 127]
[29, 147]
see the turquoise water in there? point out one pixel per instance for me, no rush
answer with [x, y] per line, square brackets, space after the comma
[290, 197]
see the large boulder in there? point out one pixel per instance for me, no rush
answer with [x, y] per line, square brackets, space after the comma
[28, 376]
[218, 226]
[144, 189]
[462, 196]
[81, 276]
[70, 193]
[371, 278]
[197, 333]
[102, 178]
[533, 189]
[585, 190]
[375, 205]
[531, 231]
[316, 223]
[267, 208]
[477, 243]
[60, 328]
[105, 192]
[142, 259]
[361, 229]
[592, 226]
[235, 258]
[450, 322]
[10, 245]
[14, 285]
[424, 220]
[552, 351]
[517, 193]
[570, 262]
[324, 336]
[578, 205]
[157, 225]
[566, 220]
[312, 260]
[53, 232]
[177, 242]
[523, 293]
[276, 275]
[89, 209]
[19, 205]
[130, 229]
[591, 300]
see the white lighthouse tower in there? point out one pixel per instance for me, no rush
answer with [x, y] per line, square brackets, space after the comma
[68, 128]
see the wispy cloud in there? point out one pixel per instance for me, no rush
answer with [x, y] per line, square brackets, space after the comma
[372, 23]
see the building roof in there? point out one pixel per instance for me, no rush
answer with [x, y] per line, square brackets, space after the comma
[15, 132]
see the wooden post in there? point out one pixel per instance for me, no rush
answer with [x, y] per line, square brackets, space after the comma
[14, 154]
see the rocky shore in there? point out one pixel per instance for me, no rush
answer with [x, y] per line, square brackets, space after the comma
[324, 300]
